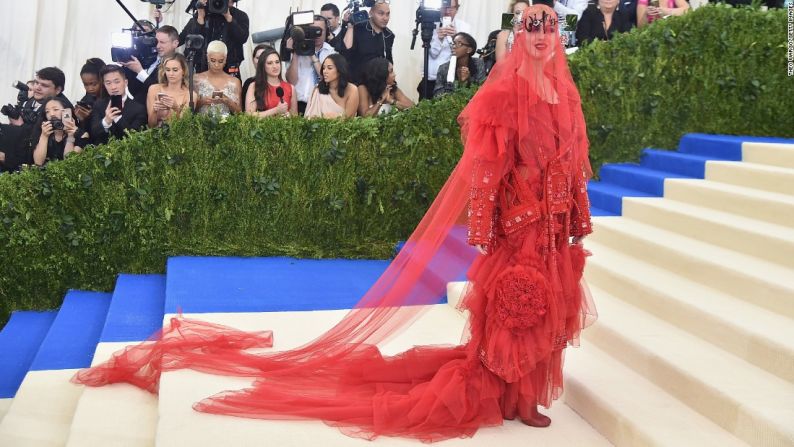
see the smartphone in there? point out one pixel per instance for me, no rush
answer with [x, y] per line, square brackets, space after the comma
[66, 115]
[115, 101]
[446, 21]
[507, 20]
[217, 94]
[654, 3]
[161, 95]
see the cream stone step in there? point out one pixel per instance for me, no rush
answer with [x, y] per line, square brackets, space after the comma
[180, 425]
[755, 334]
[774, 243]
[757, 281]
[118, 415]
[752, 175]
[745, 400]
[631, 411]
[4, 405]
[42, 410]
[774, 154]
[771, 207]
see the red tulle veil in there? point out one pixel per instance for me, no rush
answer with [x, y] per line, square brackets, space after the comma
[429, 393]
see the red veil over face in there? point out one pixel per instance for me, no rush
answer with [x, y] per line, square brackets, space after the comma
[529, 110]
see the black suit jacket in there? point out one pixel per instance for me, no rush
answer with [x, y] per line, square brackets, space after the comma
[133, 117]
[233, 34]
[591, 25]
[139, 89]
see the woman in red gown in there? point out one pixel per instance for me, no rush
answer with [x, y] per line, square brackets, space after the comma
[521, 189]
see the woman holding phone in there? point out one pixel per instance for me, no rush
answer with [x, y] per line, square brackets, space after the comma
[650, 10]
[57, 131]
[169, 97]
[218, 92]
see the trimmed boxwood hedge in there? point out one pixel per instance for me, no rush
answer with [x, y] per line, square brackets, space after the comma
[250, 187]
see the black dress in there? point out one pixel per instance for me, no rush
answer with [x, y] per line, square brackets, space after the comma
[593, 27]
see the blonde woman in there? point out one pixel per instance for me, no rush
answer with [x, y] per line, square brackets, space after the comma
[170, 96]
[218, 92]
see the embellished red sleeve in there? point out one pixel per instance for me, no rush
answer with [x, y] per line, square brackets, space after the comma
[580, 208]
[482, 204]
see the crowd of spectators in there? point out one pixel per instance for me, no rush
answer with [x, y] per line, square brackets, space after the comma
[349, 72]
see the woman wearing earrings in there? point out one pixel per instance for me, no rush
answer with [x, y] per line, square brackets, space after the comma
[469, 69]
[601, 22]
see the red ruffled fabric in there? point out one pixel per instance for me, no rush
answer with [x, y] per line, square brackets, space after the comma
[525, 155]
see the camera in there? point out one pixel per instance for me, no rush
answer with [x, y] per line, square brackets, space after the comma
[219, 7]
[300, 28]
[134, 42]
[429, 11]
[358, 16]
[56, 124]
[23, 88]
[11, 111]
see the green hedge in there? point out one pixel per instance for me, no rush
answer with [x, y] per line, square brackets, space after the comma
[714, 70]
[354, 188]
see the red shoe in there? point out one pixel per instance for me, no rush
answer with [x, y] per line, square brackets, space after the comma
[537, 420]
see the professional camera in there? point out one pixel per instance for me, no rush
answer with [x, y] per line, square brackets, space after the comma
[300, 28]
[23, 88]
[219, 7]
[358, 16]
[134, 42]
[11, 111]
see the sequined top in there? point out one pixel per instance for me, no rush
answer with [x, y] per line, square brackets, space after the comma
[205, 89]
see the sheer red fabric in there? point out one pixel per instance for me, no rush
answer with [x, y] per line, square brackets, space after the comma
[520, 188]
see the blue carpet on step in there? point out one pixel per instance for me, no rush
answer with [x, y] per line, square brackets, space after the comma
[19, 341]
[727, 147]
[136, 310]
[203, 285]
[73, 336]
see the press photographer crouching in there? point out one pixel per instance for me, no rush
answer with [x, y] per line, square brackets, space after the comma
[114, 115]
[219, 20]
[308, 55]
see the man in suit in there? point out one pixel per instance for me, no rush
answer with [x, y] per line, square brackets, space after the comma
[106, 120]
[140, 78]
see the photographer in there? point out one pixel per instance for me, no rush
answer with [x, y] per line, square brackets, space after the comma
[304, 72]
[331, 12]
[140, 78]
[56, 133]
[441, 45]
[369, 40]
[48, 82]
[118, 113]
[230, 28]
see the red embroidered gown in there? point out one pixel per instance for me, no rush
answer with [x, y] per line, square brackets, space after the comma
[520, 188]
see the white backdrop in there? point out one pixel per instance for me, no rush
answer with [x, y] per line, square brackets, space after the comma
[64, 33]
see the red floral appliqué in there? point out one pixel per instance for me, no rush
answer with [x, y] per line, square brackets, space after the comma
[521, 298]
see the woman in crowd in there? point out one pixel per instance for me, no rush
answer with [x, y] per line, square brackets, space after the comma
[218, 92]
[169, 97]
[56, 139]
[94, 89]
[271, 95]
[379, 81]
[469, 69]
[335, 96]
[602, 21]
[648, 12]
[258, 50]
[505, 39]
